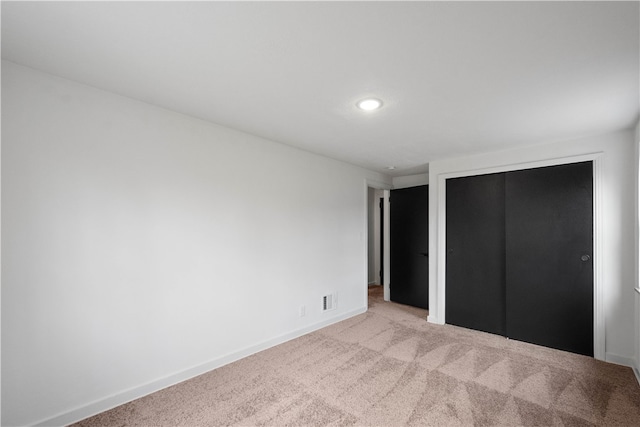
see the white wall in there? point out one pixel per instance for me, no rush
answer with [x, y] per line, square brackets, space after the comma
[616, 237]
[410, 181]
[141, 246]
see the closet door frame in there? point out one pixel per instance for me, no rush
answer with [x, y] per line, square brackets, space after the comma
[438, 292]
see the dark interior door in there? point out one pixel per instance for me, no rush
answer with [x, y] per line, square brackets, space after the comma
[549, 256]
[409, 242]
[475, 268]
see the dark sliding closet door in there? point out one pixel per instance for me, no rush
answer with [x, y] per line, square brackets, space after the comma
[520, 255]
[475, 253]
[549, 256]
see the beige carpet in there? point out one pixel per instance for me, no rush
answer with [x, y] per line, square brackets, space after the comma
[389, 367]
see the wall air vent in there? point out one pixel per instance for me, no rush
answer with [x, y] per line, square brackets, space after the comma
[329, 302]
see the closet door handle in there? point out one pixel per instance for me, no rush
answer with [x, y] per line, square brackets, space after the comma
[585, 258]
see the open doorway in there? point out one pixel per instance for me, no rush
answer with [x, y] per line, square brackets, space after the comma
[376, 237]
[377, 242]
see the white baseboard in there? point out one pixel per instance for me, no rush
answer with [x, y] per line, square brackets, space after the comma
[126, 396]
[635, 371]
[435, 320]
[619, 360]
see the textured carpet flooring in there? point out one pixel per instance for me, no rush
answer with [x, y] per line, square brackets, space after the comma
[389, 367]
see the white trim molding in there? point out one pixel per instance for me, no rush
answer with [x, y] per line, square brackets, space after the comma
[599, 331]
[438, 293]
[619, 360]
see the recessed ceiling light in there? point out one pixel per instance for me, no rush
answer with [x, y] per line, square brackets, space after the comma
[369, 104]
[391, 168]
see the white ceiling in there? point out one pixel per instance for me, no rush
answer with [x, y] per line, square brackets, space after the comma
[455, 77]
